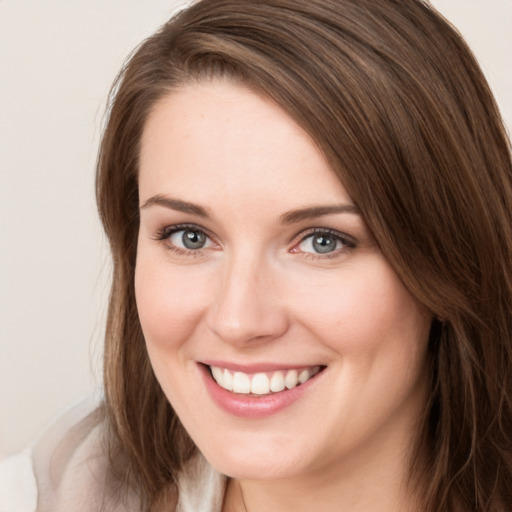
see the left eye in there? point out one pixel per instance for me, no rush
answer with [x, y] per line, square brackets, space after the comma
[321, 243]
[191, 239]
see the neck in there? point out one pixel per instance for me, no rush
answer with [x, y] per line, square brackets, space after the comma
[304, 495]
[376, 482]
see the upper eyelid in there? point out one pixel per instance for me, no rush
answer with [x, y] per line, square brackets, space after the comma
[303, 235]
[175, 228]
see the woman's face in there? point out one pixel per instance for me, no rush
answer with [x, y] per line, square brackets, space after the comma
[282, 337]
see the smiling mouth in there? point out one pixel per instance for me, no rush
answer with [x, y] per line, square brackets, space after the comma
[262, 383]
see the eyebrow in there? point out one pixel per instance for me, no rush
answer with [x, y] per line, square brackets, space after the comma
[175, 204]
[313, 212]
[291, 217]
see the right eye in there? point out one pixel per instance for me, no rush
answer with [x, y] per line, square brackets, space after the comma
[185, 239]
[191, 239]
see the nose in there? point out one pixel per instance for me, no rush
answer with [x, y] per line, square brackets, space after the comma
[247, 307]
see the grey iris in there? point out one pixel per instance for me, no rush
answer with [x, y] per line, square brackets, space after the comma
[193, 239]
[324, 243]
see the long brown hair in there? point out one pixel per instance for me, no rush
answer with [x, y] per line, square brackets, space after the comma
[394, 98]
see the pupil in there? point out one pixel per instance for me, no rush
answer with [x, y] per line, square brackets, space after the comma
[193, 239]
[324, 243]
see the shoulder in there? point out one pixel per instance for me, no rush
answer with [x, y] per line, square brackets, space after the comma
[17, 483]
[29, 477]
[201, 487]
[67, 459]
[68, 469]
[65, 469]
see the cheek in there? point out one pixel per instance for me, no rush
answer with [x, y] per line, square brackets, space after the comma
[169, 300]
[363, 310]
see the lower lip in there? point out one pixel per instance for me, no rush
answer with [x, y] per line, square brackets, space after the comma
[249, 406]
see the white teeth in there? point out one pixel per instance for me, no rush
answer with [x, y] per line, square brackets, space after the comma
[227, 380]
[304, 375]
[241, 383]
[290, 381]
[218, 375]
[261, 383]
[277, 382]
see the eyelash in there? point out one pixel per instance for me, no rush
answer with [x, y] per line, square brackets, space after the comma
[165, 233]
[348, 243]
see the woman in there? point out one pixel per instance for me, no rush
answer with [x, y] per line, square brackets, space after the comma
[309, 209]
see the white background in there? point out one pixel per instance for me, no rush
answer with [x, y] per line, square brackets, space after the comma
[57, 61]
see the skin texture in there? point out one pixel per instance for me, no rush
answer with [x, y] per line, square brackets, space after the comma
[258, 293]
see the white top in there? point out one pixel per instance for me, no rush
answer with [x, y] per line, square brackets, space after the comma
[64, 471]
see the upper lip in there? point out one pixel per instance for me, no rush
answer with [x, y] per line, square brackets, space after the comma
[258, 367]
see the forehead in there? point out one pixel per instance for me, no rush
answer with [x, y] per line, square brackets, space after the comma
[218, 137]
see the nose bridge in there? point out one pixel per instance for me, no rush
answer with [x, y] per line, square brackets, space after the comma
[247, 306]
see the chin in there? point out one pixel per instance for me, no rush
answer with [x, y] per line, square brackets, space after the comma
[256, 462]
